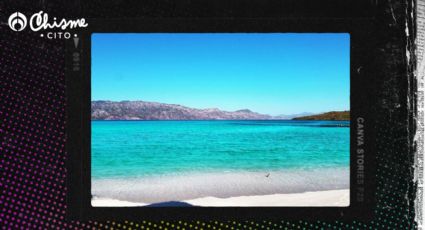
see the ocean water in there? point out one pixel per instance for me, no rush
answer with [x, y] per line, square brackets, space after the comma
[156, 161]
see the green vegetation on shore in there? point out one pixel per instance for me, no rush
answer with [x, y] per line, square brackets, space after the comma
[331, 116]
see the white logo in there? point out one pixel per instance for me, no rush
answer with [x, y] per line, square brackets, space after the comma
[17, 21]
[51, 29]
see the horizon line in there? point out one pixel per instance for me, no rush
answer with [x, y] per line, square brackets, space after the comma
[223, 120]
[281, 114]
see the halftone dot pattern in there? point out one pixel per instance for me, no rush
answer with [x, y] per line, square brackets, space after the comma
[33, 153]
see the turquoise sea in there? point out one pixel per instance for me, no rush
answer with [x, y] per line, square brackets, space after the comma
[141, 160]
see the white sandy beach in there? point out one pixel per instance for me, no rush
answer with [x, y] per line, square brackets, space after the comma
[330, 198]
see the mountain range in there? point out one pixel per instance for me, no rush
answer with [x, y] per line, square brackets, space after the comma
[143, 110]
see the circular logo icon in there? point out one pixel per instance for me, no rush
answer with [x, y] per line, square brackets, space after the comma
[17, 21]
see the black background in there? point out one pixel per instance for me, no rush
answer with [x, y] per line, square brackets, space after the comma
[34, 108]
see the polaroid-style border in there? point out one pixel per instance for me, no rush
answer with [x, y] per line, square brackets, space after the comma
[362, 115]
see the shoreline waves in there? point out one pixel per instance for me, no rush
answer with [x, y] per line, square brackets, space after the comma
[329, 198]
[219, 187]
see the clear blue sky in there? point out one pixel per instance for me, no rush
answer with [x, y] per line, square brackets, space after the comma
[273, 73]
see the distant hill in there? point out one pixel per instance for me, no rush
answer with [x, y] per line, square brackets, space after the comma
[332, 116]
[142, 110]
[291, 116]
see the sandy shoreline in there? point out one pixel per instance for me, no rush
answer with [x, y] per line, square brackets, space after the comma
[333, 198]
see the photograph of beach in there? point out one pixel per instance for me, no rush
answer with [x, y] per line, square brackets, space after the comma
[220, 120]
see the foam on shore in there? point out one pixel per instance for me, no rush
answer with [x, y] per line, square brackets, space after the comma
[331, 198]
[220, 185]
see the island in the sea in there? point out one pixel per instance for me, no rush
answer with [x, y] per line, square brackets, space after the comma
[143, 110]
[329, 116]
